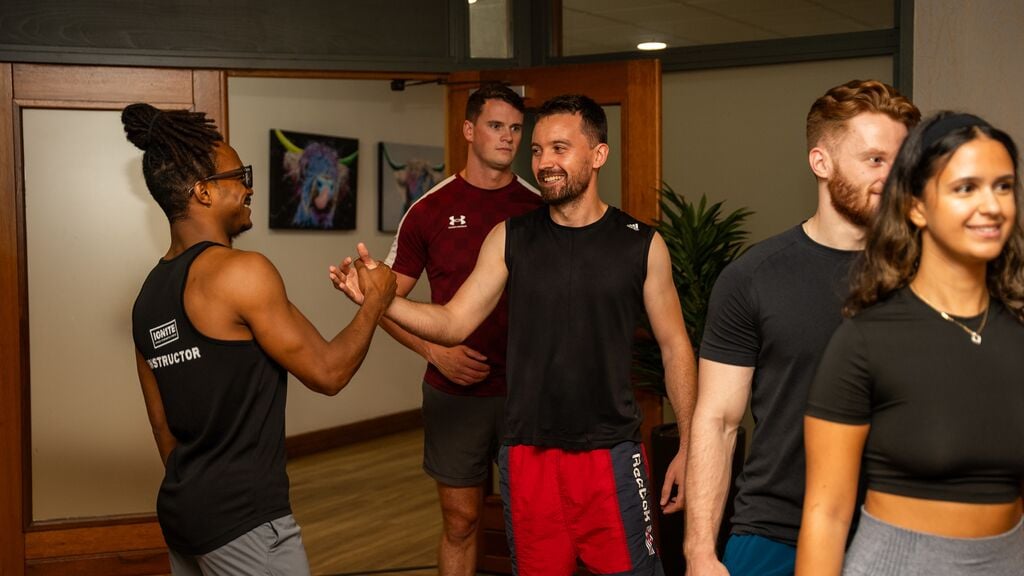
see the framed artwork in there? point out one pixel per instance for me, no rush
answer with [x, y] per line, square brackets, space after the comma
[405, 173]
[313, 181]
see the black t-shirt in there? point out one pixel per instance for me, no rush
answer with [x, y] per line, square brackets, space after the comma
[575, 300]
[774, 309]
[946, 415]
[225, 403]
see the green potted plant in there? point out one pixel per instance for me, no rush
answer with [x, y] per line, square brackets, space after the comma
[702, 240]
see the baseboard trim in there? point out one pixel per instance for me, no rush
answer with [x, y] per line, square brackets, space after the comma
[329, 438]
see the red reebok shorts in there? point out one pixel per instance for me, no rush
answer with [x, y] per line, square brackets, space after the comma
[564, 506]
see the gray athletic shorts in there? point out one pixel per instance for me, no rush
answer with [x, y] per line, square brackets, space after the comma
[461, 436]
[881, 549]
[272, 548]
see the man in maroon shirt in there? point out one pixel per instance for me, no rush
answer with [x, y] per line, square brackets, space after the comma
[464, 386]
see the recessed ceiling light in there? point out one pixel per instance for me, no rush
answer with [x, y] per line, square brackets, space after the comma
[472, 1]
[651, 46]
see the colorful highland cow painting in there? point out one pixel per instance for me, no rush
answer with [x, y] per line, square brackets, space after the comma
[313, 181]
[405, 173]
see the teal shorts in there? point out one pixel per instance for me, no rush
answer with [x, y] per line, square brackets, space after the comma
[751, 555]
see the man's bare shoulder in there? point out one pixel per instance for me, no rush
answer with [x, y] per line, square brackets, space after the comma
[238, 273]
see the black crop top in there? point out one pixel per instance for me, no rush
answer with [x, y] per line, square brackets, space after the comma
[946, 415]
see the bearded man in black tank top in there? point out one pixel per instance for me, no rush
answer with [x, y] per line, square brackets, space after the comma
[215, 336]
[579, 275]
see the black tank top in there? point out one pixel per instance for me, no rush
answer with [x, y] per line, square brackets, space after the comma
[575, 300]
[225, 404]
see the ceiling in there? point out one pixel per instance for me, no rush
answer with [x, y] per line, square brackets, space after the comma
[604, 26]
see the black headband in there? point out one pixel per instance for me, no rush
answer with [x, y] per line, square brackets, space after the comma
[942, 127]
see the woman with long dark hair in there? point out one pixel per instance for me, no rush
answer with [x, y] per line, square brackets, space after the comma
[922, 386]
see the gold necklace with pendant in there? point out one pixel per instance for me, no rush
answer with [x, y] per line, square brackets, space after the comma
[974, 334]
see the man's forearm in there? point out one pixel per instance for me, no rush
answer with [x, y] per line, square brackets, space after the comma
[707, 483]
[405, 338]
[347, 350]
[430, 322]
[681, 385]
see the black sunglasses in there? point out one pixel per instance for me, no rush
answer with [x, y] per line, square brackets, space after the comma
[244, 173]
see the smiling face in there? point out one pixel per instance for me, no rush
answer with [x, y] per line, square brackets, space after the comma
[233, 198]
[564, 160]
[861, 158]
[495, 135]
[968, 208]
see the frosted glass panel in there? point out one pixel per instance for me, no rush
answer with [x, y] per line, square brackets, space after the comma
[93, 233]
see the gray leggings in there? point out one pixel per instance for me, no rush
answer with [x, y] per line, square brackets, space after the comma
[881, 549]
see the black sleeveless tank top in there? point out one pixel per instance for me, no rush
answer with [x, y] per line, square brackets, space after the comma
[575, 300]
[225, 405]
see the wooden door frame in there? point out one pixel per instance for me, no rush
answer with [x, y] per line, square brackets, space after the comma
[101, 545]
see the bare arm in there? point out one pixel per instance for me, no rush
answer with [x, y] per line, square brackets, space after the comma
[722, 394]
[165, 441]
[662, 303]
[253, 287]
[833, 469]
[449, 324]
[460, 364]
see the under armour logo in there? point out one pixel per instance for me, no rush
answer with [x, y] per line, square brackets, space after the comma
[633, 226]
[457, 221]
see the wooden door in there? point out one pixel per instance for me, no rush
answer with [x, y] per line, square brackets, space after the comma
[107, 545]
[635, 86]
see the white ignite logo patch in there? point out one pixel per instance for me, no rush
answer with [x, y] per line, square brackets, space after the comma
[164, 334]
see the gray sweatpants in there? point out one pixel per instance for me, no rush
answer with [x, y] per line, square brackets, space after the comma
[272, 548]
[881, 549]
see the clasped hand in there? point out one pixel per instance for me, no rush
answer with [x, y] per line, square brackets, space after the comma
[364, 278]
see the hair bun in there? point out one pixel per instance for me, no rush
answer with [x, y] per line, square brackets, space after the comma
[138, 120]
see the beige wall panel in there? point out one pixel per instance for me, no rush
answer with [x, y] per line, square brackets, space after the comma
[968, 56]
[737, 134]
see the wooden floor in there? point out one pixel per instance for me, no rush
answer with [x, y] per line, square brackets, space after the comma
[368, 508]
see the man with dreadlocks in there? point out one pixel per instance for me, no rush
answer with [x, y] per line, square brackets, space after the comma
[214, 335]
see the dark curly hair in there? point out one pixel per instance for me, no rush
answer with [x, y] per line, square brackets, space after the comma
[178, 146]
[893, 248]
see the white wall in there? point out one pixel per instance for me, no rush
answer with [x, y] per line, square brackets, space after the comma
[737, 134]
[389, 380]
[969, 56]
